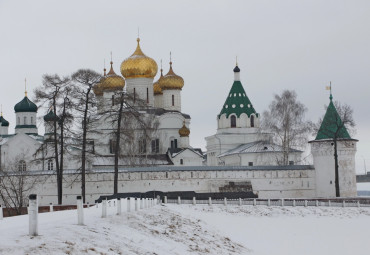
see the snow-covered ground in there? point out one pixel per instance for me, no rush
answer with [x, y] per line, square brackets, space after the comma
[187, 229]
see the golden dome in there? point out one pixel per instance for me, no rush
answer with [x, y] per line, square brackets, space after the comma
[184, 131]
[172, 80]
[138, 65]
[112, 81]
[97, 88]
[157, 85]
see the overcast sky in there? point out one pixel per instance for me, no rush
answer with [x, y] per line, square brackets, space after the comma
[297, 45]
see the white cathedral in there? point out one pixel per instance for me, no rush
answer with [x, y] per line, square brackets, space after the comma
[238, 154]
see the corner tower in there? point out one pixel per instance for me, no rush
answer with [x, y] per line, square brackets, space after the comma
[334, 146]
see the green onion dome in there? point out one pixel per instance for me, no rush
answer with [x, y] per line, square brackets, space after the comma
[25, 105]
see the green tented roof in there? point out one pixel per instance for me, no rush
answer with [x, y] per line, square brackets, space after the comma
[25, 105]
[237, 102]
[332, 125]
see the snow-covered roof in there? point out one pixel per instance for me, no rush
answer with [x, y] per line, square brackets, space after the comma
[256, 147]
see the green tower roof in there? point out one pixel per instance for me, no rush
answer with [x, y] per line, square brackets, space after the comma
[237, 101]
[25, 105]
[51, 116]
[3, 122]
[332, 125]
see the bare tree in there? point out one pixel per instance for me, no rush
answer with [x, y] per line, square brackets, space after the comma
[16, 184]
[285, 119]
[334, 126]
[54, 92]
[132, 125]
[85, 104]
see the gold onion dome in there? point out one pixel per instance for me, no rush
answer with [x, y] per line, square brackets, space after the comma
[138, 65]
[172, 80]
[184, 131]
[157, 85]
[97, 88]
[112, 81]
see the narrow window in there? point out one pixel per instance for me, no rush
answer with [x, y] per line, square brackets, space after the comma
[291, 163]
[22, 165]
[112, 100]
[172, 144]
[157, 145]
[166, 174]
[250, 163]
[252, 121]
[173, 100]
[25, 120]
[19, 121]
[147, 95]
[182, 162]
[31, 120]
[233, 121]
[134, 95]
[112, 146]
[50, 165]
[175, 143]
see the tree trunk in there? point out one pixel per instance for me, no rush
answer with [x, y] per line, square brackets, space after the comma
[83, 156]
[337, 191]
[56, 156]
[116, 152]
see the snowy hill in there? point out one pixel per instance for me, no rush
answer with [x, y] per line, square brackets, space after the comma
[187, 229]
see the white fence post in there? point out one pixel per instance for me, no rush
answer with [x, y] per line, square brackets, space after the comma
[225, 201]
[268, 202]
[119, 206]
[254, 202]
[317, 202]
[88, 205]
[165, 199]
[1, 212]
[329, 203]
[240, 201]
[136, 204]
[109, 203]
[282, 202]
[305, 203]
[344, 203]
[80, 211]
[141, 203]
[179, 200]
[194, 201]
[128, 201]
[104, 208]
[209, 201]
[358, 205]
[51, 209]
[33, 211]
[293, 202]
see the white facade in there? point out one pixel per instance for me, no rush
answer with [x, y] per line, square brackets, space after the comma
[142, 88]
[171, 99]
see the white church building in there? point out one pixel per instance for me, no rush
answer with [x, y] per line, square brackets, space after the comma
[238, 155]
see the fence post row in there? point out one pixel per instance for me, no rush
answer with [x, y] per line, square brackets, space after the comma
[80, 212]
[33, 215]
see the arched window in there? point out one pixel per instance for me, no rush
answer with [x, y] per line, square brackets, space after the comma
[22, 166]
[252, 120]
[233, 121]
[50, 165]
[147, 95]
[181, 161]
[173, 100]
